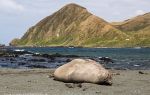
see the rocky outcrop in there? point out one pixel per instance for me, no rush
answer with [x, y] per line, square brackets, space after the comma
[2, 45]
[14, 42]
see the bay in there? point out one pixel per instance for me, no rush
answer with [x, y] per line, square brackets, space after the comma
[124, 58]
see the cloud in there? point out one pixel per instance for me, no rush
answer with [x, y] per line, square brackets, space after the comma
[10, 5]
[139, 12]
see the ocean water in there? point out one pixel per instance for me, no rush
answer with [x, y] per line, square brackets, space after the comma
[124, 58]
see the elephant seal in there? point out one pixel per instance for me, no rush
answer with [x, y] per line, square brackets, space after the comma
[83, 70]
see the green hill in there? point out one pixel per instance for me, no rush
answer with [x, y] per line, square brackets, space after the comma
[73, 25]
[134, 24]
[138, 28]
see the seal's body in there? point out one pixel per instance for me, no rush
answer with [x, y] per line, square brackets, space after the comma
[80, 70]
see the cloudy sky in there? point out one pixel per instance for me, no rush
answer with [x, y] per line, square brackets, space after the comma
[16, 16]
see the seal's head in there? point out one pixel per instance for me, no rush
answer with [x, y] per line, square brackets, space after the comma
[108, 80]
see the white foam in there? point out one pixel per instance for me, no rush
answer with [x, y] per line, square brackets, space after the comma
[19, 50]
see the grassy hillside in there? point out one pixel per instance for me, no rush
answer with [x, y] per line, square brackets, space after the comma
[138, 28]
[134, 24]
[73, 25]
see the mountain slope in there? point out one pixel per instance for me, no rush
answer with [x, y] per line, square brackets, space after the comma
[138, 28]
[134, 24]
[73, 25]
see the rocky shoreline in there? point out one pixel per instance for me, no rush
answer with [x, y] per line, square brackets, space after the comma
[25, 59]
[17, 59]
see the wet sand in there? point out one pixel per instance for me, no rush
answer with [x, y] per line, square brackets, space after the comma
[37, 82]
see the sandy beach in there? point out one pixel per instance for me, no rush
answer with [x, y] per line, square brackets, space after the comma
[37, 82]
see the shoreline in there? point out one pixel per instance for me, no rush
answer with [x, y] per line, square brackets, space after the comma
[36, 81]
[38, 58]
[138, 47]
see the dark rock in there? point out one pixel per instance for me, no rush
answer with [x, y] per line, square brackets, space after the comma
[85, 89]
[37, 60]
[107, 60]
[1, 54]
[57, 55]
[45, 55]
[4, 65]
[69, 85]
[10, 52]
[11, 62]
[11, 59]
[58, 65]
[52, 58]
[68, 60]
[3, 59]
[21, 63]
[97, 92]
[42, 60]
[141, 72]
[59, 61]
[36, 66]
[51, 61]
[74, 85]
[79, 85]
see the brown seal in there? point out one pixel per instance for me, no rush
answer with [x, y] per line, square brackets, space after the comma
[83, 70]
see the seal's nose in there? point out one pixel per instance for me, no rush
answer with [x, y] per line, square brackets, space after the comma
[110, 81]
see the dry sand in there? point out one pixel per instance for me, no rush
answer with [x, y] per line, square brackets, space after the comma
[36, 82]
